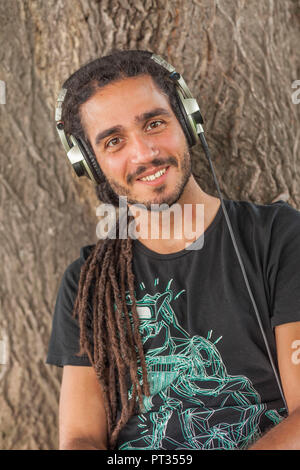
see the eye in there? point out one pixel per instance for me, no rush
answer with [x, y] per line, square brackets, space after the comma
[155, 124]
[112, 142]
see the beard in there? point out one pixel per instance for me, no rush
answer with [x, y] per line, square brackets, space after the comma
[115, 190]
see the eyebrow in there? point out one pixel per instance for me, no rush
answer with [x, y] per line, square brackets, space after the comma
[140, 118]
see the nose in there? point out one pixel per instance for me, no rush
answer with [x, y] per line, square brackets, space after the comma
[142, 149]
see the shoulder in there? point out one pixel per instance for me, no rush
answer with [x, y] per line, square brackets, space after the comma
[71, 274]
[275, 224]
[278, 213]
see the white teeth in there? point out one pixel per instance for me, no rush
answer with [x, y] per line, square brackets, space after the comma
[154, 176]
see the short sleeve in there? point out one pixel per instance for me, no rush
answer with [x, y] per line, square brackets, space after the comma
[64, 339]
[285, 261]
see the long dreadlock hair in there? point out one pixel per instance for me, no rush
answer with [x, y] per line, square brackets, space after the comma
[109, 331]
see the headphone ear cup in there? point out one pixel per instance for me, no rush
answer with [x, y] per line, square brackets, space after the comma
[185, 124]
[91, 162]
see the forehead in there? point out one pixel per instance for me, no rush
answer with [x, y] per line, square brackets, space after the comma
[122, 100]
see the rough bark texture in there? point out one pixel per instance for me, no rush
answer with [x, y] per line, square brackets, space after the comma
[240, 59]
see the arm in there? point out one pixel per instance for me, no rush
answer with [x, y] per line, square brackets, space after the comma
[82, 417]
[286, 435]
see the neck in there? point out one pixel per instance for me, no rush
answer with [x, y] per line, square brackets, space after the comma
[180, 225]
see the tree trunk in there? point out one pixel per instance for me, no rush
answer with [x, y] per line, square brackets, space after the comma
[240, 59]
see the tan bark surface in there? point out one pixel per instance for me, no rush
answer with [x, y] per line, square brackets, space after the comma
[240, 59]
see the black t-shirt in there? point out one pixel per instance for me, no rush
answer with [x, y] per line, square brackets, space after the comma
[211, 382]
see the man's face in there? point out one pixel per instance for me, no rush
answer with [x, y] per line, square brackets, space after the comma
[134, 133]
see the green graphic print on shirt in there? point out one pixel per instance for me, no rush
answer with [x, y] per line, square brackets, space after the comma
[191, 390]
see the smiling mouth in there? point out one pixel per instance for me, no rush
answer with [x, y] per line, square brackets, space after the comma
[154, 176]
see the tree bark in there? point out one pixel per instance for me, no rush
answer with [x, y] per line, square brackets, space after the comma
[240, 59]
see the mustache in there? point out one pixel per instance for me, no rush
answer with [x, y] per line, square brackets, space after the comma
[156, 163]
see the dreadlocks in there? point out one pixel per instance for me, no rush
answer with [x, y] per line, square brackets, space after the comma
[107, 335]
[109, 331]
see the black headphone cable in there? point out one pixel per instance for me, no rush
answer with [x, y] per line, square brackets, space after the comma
[207, 153]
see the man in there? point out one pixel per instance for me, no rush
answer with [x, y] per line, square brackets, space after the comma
[159, 342]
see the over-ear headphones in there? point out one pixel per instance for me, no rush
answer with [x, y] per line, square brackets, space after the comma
[81, 157]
